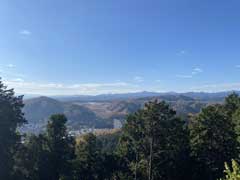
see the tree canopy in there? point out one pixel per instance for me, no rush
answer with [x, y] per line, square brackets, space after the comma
[155, 143]
[11, 117]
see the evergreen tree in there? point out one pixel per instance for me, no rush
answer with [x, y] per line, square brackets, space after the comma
[11, 117]
[167, 141]
[88, 160]
[236, 121]
[48, 155]
[32, 159]
[61, 147]
[131, 146]
[155, 141]
[232, 103]
[232, 173]
[213, 141]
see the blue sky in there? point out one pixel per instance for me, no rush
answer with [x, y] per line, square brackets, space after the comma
[93, 47]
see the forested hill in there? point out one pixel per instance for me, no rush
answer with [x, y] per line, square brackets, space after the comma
[38, 110]
[100, 114]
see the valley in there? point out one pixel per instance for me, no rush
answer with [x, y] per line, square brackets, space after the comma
[107, 111]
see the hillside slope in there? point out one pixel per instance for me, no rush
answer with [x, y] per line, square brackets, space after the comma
[38, 110]
[101, 114]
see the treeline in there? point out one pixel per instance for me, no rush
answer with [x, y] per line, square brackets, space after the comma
[154, 144]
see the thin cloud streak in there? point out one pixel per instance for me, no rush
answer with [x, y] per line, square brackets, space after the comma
[217, 87]
[9, 74]
[184, 76]
[194, 72]
[25, 32]
[182, 52]
[197, 70]
[23, 87]
[138, 79]
[10, 66]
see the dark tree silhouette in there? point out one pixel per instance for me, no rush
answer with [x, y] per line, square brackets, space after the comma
[11, 117]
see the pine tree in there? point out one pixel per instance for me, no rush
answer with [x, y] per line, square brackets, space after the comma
[32, 159]
[88, 161]
[61, 147]
[154, 141]
[232, 173]
[11, 117]
[213, 141]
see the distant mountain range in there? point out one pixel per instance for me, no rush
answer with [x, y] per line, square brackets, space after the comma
[107, 97]
[102, 110]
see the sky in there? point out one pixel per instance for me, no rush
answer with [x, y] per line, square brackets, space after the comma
[88, 47]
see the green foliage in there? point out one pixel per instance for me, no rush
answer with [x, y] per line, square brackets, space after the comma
[236, 121]
[153, 144]
[109, 141]
[61, 146]
[232, 173]
[154, 141]
[213, 141]
[32, 159]
[87, 163]
[233, 106]
[87, 152]
[47, 156]
[11, 117]
[232, 103]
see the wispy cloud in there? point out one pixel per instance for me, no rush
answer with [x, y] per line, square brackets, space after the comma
[194, 72]
[181, 52]
[17, 80]
[10, 66]
[237, 66]
[184, 76]
[25, 32]
[24, 87]
[217, 87]
[11, 74]
[197, 70]
[138, 79]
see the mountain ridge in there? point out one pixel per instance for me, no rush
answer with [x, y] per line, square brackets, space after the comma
[101, 111]
[106, 97]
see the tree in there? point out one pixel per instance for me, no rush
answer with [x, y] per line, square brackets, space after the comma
[32, 159]
[232, 173]
[61, 147]
[109, 159]
[48, 155]
[11, 117]
[130, 146]
[88, 160]
[167, 141]
[154, 140]
[232, 103]
[236, 121]
[213, 141]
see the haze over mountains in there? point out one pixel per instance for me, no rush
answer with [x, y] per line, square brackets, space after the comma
[102, 111]
[123, 96]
